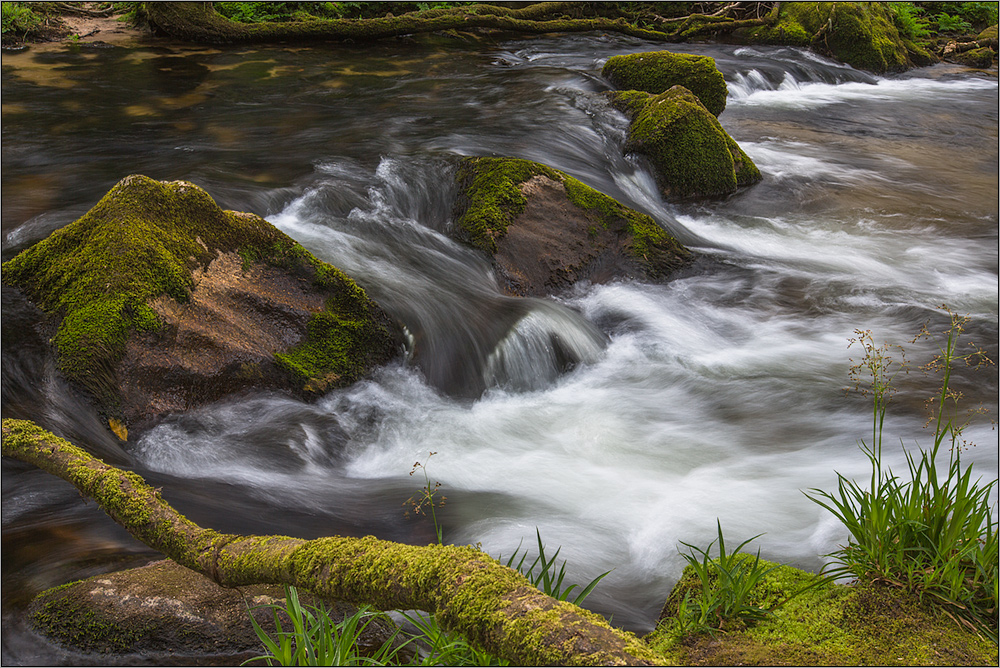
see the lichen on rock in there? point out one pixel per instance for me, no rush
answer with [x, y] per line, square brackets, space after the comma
[168, 302]
[545, 230]
[691, 154]
[656, 72]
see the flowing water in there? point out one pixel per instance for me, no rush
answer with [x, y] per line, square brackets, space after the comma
[616, 419]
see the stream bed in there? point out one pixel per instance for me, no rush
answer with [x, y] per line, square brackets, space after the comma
[716, 395]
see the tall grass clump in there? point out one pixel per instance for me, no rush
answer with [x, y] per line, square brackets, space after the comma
[18, 19]
[933, 531]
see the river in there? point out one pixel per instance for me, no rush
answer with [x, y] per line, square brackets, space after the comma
[719, 394]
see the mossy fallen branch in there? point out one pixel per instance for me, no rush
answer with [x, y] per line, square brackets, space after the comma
[493, 606]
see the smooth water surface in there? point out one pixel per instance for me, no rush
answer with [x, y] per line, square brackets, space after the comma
[616, 419]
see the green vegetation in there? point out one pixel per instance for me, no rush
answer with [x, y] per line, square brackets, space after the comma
[933, 535]
[546, 579]
[691, 154]
[19, 19]
[316, 640]
[658, 71]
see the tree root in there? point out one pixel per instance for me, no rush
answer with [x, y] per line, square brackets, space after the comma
[493, 606]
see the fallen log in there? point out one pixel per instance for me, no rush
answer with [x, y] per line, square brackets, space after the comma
[493, 606]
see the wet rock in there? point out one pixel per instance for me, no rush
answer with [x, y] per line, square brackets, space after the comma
[691, 154]
[167, 302]
[545, 230]
[169, 615]
[656, 72]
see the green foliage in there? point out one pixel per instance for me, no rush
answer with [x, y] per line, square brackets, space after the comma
[727, 585]
[949, 23]
[19, 19]
[447, 648]
[546, 578]
[979, 14]
[261, 12]
[933, 533]
[910, 20]
[316, 640]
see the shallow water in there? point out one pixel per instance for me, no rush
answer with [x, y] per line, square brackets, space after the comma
[617, 419]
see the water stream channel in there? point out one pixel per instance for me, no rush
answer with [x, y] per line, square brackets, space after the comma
[717, 394]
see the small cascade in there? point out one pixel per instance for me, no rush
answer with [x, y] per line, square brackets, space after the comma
[540, 346]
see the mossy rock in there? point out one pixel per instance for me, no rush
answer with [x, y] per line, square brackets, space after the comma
[786, 32]
[545, 230]
[167, 302]
[656, 72]
[165, 612]
[980, 59]
[861, 34]
[691, 154]
[827, 624]
[988, 33]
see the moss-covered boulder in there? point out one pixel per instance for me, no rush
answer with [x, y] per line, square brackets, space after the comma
[861, 34]
[166, 302]
[656, 72]
[169, 615]
[691, 154]
[544, 230]
[862, 624]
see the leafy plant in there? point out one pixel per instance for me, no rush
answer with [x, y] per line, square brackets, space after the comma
[935, 533]
[546, 578]
[727, 583]
[18, 18]
[910, 21]
[447, 648]
[949, 23]
[316, 640]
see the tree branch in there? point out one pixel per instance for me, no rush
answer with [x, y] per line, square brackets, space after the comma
[493, 606]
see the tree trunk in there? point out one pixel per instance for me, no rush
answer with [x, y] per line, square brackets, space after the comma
[199, 22]
[493, 606]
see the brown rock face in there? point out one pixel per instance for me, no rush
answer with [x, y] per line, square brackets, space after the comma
[169, 615]
[221, 341]
[553, 244]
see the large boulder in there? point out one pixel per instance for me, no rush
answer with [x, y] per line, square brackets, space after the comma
[545, 230]
[691, 154]
[167, 302]
[822, 623]
[861, 34]
[656, 72]
[169, 615]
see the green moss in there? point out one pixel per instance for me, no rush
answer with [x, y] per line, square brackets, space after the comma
[977, 58]
[786, 32]
[658, 71]
[861, 34]
[141, 241]
[828, 624]
[988, 33]
[692, 155]
[491, 200]
[65, 618]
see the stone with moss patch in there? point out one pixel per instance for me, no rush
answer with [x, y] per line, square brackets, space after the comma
[545, 230]
[656, 72]
[167, 612]
[691, 154]
[827, 624]
[166, 300]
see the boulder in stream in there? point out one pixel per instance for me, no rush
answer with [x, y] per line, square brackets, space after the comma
[545, 230]
[166, 302]
[169, 615]
[656, 72]
[691, 154]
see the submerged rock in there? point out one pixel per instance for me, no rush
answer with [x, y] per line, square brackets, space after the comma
[168, 614]
[656, 72]
[691, 154]
[822, 623]
[168, 302]
[545, 230]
